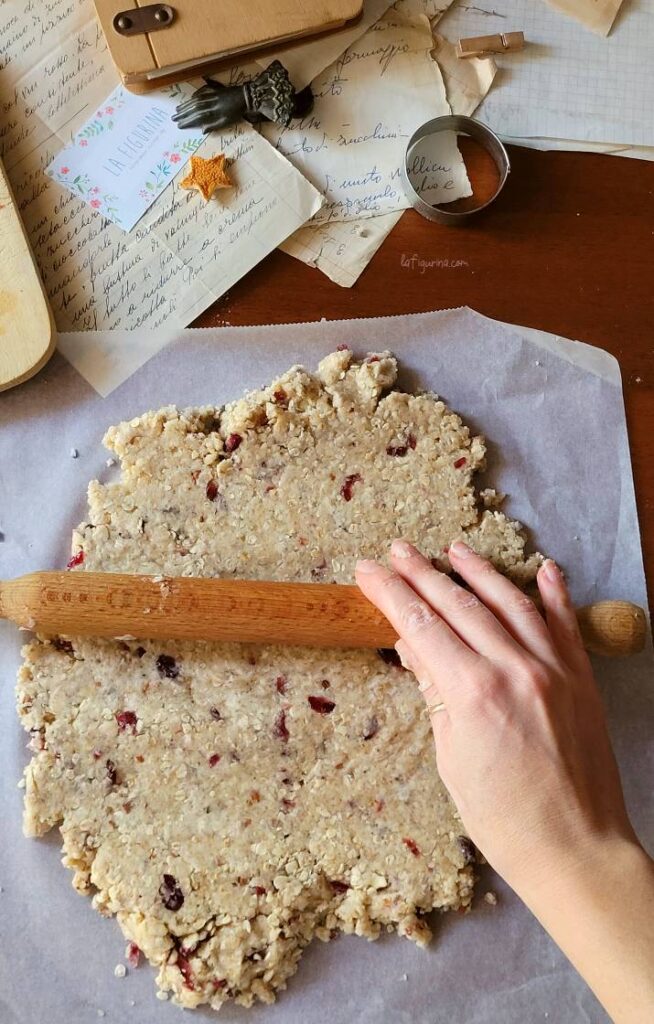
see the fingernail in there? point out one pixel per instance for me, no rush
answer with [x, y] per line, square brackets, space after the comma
[551, 571]
[403, 655]
[459, 549]
[366, 565]
[401, 549]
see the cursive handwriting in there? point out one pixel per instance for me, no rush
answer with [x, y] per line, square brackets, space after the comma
[184, 253]
[353, 143]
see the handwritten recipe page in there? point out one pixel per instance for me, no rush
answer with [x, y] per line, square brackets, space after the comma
[343, 249]
[55, 71]
[367, 105]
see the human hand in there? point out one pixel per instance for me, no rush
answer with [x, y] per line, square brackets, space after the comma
[521, 737]
[523, 748]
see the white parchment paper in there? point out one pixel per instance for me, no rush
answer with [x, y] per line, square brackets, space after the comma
[552, 411]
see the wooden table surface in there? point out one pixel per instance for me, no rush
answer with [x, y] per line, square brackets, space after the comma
[568, 248]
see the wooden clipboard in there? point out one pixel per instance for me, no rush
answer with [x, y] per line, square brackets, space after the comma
[154, 43]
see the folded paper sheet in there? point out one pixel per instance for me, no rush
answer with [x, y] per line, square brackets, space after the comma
[368, 104]
[597, 15]
[184, 254]
[530, 393]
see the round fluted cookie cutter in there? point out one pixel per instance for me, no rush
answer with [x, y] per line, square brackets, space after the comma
[417, 150]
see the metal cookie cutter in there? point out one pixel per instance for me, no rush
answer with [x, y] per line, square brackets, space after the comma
[423, 145]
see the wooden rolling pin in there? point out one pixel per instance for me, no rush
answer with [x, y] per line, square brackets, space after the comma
[185, 608]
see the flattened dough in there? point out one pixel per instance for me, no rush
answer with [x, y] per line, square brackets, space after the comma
[228, 803]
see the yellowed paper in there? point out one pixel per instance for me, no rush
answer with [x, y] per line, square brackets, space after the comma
[184, 253]
[435, 9]
[597, 15]
[367, 105]
[466, 81]
[342, 249]
[306, 61]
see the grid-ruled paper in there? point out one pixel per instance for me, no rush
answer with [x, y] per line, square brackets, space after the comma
[567, 83]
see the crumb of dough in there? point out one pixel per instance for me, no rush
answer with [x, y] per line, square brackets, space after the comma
[120, 971]
[492, 498]
[223, 802]
[490, 897]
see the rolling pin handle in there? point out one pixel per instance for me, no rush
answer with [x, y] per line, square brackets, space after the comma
[615, 629]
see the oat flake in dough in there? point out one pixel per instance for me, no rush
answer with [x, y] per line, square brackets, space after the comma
[226, 802]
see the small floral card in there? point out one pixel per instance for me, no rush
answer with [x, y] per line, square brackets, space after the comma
[127, 153]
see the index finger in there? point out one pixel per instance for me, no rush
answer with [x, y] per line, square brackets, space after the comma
[446, 657]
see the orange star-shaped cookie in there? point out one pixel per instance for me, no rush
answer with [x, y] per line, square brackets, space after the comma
[207, 175]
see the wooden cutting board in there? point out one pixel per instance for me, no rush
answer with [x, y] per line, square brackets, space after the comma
[27, 332]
